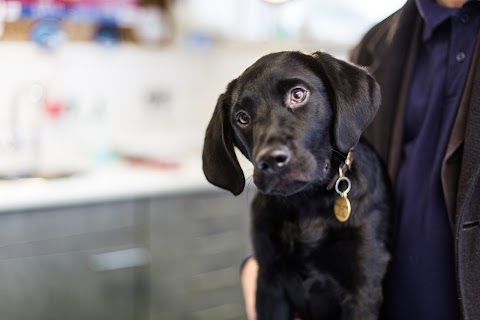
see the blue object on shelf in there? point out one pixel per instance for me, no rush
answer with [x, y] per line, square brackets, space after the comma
[48, 33]
[108, 33]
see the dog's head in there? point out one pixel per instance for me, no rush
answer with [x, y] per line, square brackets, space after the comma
[288, 113]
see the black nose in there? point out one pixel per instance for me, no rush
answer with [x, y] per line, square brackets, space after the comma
[272, 160]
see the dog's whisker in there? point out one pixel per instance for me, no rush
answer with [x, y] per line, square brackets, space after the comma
[338, 153]
[250, 186]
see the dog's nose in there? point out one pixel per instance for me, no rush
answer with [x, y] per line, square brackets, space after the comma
[272, 160]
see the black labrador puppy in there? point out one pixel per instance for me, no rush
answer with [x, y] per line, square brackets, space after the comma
[320, 222]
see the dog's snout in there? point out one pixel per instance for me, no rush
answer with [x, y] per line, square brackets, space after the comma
[272, 160]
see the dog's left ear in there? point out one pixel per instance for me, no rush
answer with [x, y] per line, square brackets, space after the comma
[220, 164]
[356, 98]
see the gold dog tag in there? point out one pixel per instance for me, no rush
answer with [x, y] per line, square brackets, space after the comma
[342, 208]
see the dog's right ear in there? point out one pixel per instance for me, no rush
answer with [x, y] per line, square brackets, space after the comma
[220, 164]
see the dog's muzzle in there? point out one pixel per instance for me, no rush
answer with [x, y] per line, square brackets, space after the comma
[273, 160]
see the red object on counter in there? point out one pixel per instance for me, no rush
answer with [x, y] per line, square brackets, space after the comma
[152, 163]
[54, 109]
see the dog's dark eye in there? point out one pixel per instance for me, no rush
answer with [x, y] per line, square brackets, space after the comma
[298, 95]
[242, 118]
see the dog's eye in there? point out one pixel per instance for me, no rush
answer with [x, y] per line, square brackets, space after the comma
[298, 95]
[242, 118]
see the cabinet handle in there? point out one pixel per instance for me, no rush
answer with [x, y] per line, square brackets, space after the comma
[121, 259]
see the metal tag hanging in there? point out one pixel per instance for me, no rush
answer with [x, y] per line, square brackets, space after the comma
[342, 207]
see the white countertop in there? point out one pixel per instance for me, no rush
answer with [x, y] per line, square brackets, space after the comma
[116, 181]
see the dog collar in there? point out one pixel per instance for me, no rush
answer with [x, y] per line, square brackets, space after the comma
[342, 207]
[347, 165]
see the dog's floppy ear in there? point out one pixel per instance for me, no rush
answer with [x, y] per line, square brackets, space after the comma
[356, 98]
[220, 164]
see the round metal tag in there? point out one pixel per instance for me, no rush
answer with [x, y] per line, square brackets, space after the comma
[342, 209]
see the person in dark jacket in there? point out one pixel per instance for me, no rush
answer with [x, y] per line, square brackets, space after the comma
[426, 58]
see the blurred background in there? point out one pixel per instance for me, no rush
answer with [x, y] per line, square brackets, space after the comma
[104, 210]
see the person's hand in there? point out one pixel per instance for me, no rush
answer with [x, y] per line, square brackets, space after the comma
[249, 285]
[249, 277]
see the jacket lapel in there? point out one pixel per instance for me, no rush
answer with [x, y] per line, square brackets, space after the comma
[389, 69]
[396, 140]
[453, 158]
[470, 167]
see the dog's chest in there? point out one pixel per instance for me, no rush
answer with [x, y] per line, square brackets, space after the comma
[317, 235]
[313, 247]
[307, 232]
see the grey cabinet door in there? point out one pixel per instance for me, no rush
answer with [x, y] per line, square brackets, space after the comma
[48, 269]
[197, 243]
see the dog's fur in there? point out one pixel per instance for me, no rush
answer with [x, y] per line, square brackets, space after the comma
[310, 264]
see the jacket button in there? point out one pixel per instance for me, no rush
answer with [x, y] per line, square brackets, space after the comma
[460, 56]
[465, 18]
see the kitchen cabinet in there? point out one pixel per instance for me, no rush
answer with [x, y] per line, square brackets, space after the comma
[156, 257]
[197, 244]
[47, 263]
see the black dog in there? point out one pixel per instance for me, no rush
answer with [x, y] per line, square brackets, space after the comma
[296, 117]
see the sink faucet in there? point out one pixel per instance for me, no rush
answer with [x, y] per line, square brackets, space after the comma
[25, 128]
